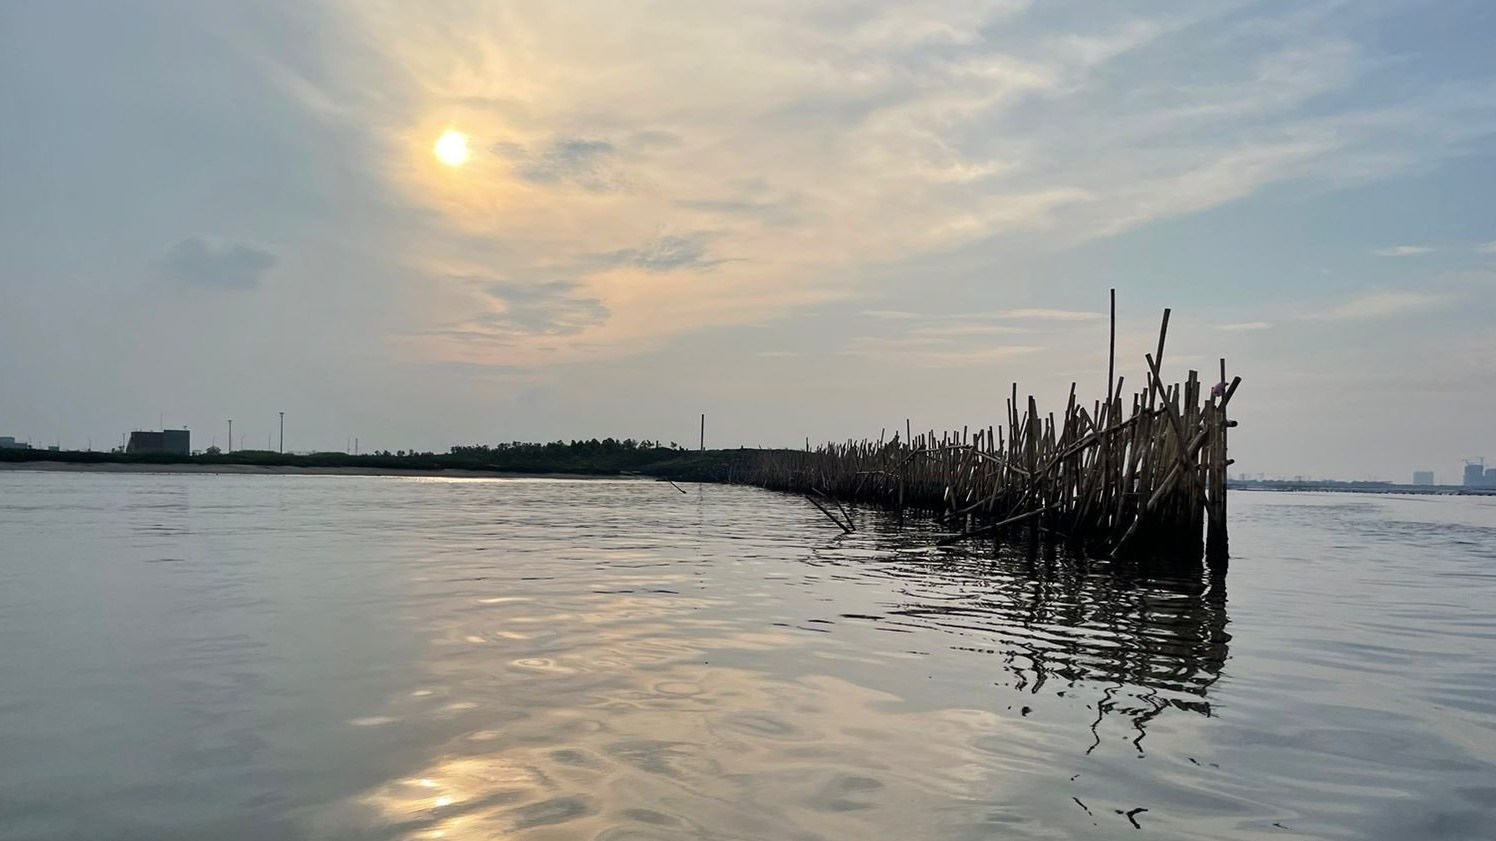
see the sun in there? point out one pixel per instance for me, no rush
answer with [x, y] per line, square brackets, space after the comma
[452, 148]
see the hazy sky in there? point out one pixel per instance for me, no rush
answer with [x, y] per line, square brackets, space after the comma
[804, 219]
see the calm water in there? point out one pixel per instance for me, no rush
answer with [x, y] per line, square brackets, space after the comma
[251, 657]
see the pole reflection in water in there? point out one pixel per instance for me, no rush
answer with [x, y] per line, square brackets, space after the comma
[1141, 637]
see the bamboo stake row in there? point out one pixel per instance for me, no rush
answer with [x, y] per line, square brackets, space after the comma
[1138, 475]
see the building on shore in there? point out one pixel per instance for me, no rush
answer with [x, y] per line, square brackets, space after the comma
[9, 443]
[170, 441]
[1423, 477]
[1475, 474]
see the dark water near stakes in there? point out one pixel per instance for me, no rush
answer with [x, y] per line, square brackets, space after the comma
[260, 657]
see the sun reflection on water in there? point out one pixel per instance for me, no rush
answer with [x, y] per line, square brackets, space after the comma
[611, 691]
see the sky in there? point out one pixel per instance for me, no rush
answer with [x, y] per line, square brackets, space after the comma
[803, 219]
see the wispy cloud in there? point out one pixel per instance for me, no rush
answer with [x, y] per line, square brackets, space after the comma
[1486, 247]
[1050, 315]
[930, 351]
[979, 323]
[556, 307]
[666, 253]
[1245, 325]
[1380, 304]
[589, 163]
[224, 265]
[917, 130]
[514, 310]
[953, 330]
[748, 199]
[1403, 251]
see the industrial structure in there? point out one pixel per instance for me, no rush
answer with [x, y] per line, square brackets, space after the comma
[1423, 477]
[170, 441]
[9, 443]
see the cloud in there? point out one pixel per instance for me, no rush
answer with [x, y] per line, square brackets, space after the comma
[1487, 247]
[215, 264]
[1050, 315]
[588, 163]
[947, 340]
[549, 308]
[654, 139]
[749, 199]
[951, 330]
[1403, 251]
[1380, 304]
[664, 254]
[929, 351]
[977, 323]
[820, 145]
[516, 310]
[1245, 325]
[768, 212]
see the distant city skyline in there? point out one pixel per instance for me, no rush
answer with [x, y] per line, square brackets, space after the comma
[439, 224]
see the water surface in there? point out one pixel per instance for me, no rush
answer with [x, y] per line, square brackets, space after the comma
[261, 657]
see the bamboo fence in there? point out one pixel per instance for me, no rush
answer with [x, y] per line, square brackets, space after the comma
[1140, 474]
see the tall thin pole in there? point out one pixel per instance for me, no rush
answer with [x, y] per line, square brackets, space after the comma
[703, 432]
[231, 435]
[1217, 547]
[283, 432]
[1111, 354]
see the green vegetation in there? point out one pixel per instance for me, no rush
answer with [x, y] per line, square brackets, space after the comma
[608, 457]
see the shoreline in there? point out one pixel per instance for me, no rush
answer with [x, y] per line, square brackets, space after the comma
[1405, 490]
[291, 470]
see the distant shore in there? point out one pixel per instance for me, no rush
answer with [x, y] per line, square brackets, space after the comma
[1331, 486]
[591, 459]
[290, 470]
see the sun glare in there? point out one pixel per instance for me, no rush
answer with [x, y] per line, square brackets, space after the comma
[452, 148]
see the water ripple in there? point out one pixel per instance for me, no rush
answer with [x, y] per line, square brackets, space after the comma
[339, 657]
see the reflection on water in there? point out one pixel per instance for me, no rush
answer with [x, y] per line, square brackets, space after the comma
[654, 717]
[723, 755]
[1140, 641]
[308, 657]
